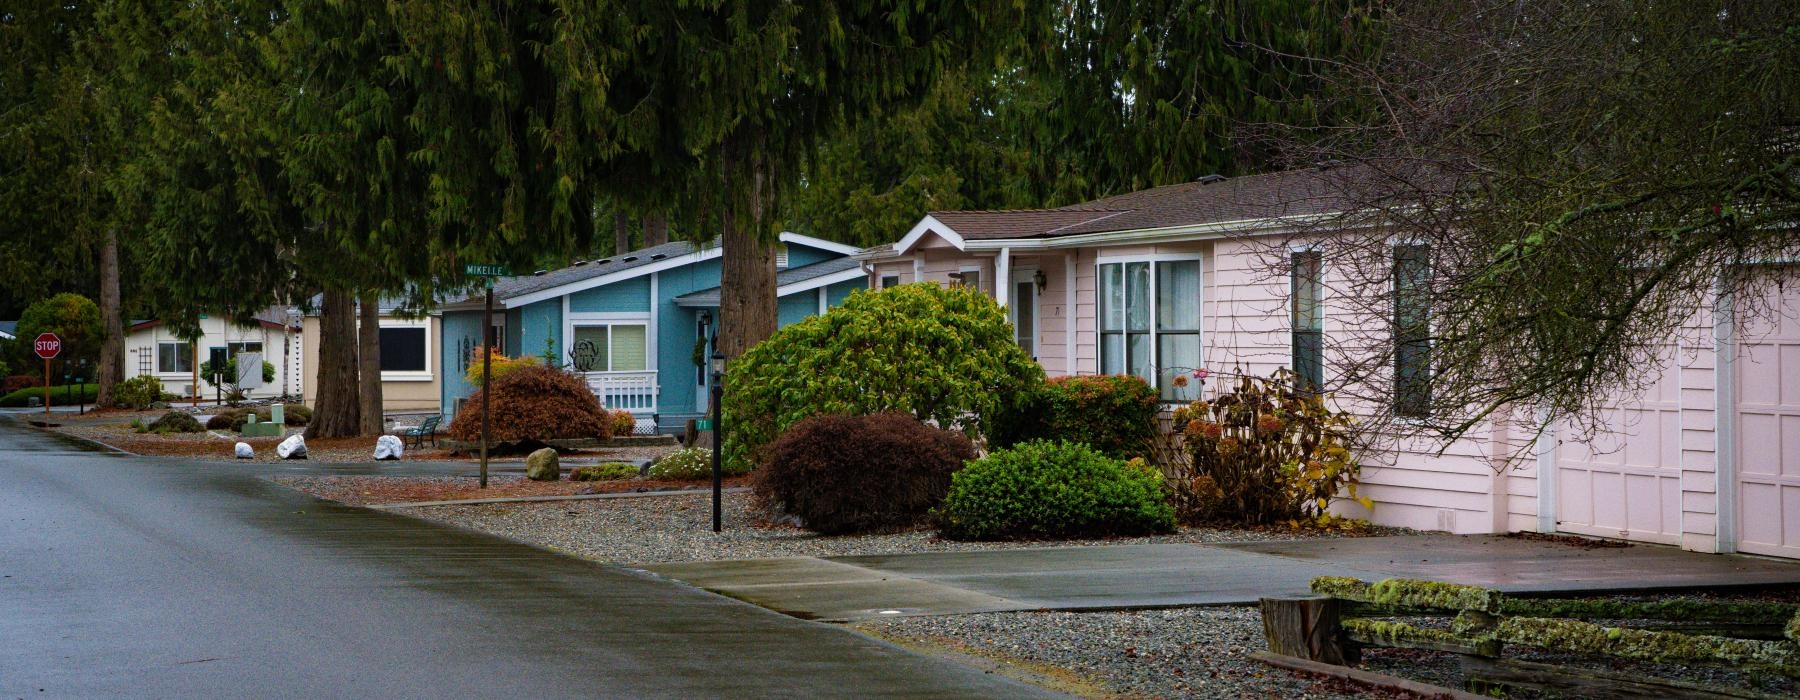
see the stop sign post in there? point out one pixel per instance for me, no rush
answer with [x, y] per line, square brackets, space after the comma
[47, 346]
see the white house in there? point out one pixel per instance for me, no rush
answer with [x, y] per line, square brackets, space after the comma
[152, 349]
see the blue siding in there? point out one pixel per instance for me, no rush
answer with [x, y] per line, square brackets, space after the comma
[632, 295]
[800, 255]
[511, 343]
[676, 332]
[540, 322]
[461, 329]
[837, 293]
[795, 307]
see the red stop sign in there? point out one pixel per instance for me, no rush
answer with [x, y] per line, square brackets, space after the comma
[48, 346]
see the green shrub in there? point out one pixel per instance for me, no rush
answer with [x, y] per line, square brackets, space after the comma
[1266, 453]
[72, 317]
[174, 422]
[60, 395]
[1043, 489]
[137, 393]
[293, 415]
[690, 464]
[229, 418]
[610, 471]
[946, 356]
[843, 474]
[1115, 414]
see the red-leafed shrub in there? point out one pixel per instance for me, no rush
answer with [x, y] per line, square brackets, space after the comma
[20, 381]
[535, 403]
[858, 473]
[623, 423]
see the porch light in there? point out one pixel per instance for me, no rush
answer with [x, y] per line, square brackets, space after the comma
[1041, 280]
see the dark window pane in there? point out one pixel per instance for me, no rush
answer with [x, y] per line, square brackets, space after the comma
[1412, 330]
[1307, 319]
[402, 349]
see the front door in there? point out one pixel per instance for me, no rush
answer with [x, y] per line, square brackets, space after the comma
[1023, 312]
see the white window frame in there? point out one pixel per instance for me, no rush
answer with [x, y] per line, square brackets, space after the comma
[424, 375]
[193, 362]
[1099, 303]
[609, 319]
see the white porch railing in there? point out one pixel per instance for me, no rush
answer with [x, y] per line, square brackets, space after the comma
[632, 391]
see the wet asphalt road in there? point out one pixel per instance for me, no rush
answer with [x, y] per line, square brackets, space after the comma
[143, 577]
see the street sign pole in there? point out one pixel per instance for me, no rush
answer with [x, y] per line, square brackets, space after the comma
[487, 369]
[46, 386]
[47, 346]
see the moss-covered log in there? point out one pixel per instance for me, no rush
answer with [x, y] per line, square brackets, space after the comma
[1666, 647]
[1793, 628]
[1341, 587]
[1410, 593]
[1399, 634]
[1676, 609]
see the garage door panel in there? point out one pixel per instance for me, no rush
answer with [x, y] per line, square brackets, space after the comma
[1767, 378]
[1790, 375]
[1759, 449]
[1790, 445]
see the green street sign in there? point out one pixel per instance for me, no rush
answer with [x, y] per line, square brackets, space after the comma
[474, 270]
[703, 424]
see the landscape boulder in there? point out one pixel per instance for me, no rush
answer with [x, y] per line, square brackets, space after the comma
[243, 451]
[543, 465]
[388, 447]
[292, 448]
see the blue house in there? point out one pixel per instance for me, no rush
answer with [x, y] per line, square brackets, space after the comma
[637, 325]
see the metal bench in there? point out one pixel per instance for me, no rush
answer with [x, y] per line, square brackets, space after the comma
[416, 436]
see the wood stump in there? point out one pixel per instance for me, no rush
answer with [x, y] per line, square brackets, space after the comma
[1307, 628]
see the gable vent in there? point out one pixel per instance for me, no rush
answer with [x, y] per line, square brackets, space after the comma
[539, 273]
[781, 257]
[603, 261]
[579, 263]
[632, 258]
[1210, 179]
[658, 256]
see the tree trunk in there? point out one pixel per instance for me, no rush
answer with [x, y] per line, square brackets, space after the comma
[368, 363]
[112, 325]
[747, 287]
[338, 412]
[621, 234]
[656, 229]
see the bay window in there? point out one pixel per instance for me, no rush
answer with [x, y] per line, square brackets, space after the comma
[1149, 320]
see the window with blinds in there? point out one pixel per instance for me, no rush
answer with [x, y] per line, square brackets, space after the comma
[613, 347]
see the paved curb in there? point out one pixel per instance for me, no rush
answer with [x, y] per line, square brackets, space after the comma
[545, 499]
[70, 436]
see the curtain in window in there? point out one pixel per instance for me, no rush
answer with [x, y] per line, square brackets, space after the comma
[1133, 296]
[1177, 326]
[630, 352]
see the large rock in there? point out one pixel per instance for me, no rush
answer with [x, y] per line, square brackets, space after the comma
[243, 451]
[543, 465]
[292, 448]
[388, 447]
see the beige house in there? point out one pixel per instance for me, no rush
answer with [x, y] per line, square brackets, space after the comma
[410, 371]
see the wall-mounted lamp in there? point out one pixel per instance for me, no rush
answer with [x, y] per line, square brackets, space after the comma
[1040, 279]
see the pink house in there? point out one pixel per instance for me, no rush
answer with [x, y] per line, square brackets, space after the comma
[1157, 281]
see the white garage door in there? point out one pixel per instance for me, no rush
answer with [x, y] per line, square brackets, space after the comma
[1768, 420]
[1625, 481]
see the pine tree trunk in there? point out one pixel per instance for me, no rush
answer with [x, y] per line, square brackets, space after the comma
[747, 288]
[112, 337]
[656, 229]
[368, 354]
[621, 234]
[338, 412]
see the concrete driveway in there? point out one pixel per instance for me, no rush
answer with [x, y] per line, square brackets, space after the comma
[1176, 575]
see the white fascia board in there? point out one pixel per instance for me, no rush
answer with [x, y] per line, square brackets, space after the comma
[820, 243]
[1155, 235]
[697, 256]
[929, 224]
[821, 281]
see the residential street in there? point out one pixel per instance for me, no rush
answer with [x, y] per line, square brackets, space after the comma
[127, 576]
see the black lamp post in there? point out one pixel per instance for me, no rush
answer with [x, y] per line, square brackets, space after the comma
[718, 438]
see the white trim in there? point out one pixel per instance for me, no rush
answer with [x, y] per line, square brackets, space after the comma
[918, 262]
[822, 305]
[929, 224]
[1026, 275]
[1546, 475]
[562, 342]
[703, 254]
[1069, 273]
[608, 316]
[1725, 418]
[424, 375]
[1003, 271]
[1191, 232]
[651, 345]
[820, 243]
[820, 282]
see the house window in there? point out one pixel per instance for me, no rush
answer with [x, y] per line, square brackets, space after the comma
[614, 347]
[403, 349]
[1150, 321]
[172, 358]
[968, 277]
[1412, 330]
[1308, 319]
[232, 349]
[890, 281]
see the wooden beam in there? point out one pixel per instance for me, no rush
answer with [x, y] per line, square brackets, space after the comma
[1360, 677]
[1306, 628]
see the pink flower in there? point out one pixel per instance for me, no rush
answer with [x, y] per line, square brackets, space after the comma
[1200, 373]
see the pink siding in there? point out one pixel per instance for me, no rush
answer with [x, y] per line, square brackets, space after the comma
[1651, 477]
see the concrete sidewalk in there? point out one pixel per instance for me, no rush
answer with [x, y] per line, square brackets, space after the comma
[1179, 575]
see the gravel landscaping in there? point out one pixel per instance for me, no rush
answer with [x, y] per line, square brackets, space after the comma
[371, 490]
[679, 528]
[1192, 652]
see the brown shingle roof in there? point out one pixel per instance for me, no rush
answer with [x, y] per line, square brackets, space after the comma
[1271, 195]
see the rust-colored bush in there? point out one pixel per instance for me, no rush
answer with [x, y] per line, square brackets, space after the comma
[858, 473]
[20, 381]
[535, 403]
[623, 422]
